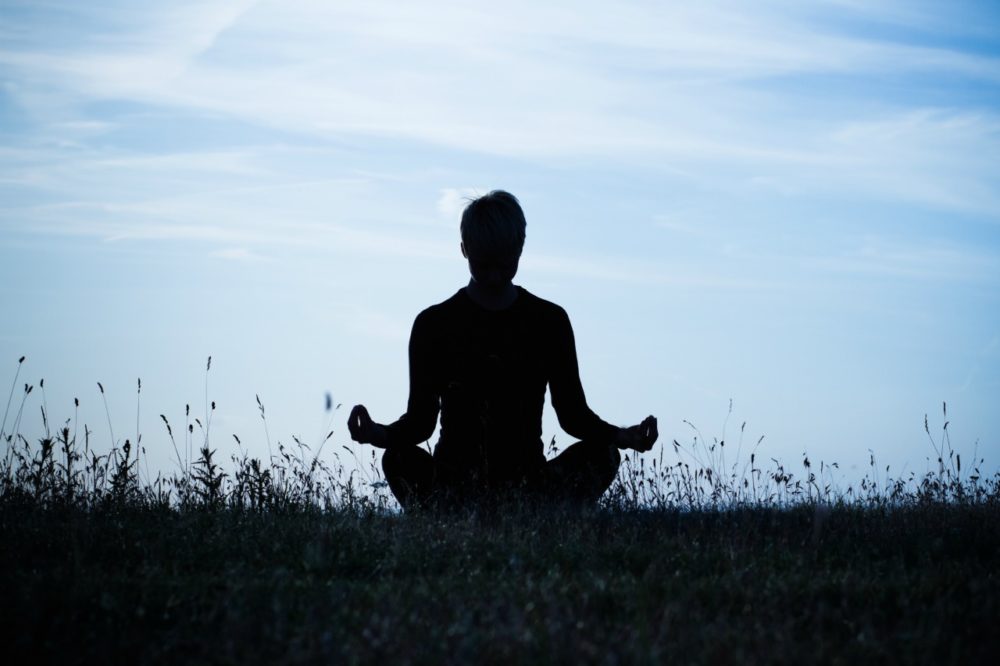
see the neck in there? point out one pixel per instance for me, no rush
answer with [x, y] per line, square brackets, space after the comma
[492, 298]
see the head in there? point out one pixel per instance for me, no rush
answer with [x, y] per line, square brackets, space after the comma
[493, 231]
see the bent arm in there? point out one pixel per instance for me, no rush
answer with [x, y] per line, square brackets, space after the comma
[417, 424]
[568, 399]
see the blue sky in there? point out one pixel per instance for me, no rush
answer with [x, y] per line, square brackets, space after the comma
[792, 205]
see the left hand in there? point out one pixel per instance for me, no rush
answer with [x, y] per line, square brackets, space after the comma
[364, 430]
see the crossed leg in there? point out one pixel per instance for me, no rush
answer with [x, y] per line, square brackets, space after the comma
[409, 471]
[579, 475]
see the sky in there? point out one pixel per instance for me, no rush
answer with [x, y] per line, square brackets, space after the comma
[791, 208]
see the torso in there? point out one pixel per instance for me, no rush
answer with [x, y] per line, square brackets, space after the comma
[491, 375]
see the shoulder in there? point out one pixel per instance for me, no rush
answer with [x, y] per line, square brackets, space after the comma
[440, 313]
[543, 309]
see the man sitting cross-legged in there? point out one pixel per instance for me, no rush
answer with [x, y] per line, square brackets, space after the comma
[482, 359]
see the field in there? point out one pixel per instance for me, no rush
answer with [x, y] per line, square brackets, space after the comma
[289, 561]
[158, 585]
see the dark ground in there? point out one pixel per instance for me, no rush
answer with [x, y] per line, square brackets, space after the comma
[150, 584]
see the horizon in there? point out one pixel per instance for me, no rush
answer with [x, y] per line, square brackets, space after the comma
[793, 210]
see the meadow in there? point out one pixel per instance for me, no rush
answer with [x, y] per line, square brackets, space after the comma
[702, 559]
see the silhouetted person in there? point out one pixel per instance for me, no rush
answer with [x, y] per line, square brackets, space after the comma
[482, 359]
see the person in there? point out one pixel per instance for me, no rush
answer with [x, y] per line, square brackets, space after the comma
[482, 359]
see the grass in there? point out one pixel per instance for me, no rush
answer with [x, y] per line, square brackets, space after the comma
[288, 560]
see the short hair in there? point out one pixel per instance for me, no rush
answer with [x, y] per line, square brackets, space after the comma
[493, 225]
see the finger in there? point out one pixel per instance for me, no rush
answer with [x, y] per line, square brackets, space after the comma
[354, 422]
[364, 417]
[360, 412]
[651, 433]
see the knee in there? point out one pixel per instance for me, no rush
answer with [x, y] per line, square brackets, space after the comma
[614, 457]
[610, 463]
[603, 459]
[605, 455]
[393, 462]
[408, 462]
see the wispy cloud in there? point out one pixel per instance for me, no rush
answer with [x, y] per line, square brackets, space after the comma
[912, 260]
[772, 98]
[241, 254]
[646, 274]
[459, 75]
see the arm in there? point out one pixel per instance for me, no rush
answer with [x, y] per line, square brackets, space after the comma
[417, 424]
[568, 399]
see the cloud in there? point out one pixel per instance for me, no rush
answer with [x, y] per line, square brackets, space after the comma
[526, 81]
[630, 270]
[944, 158]
[724, 96]
[911, 260]
[241, 254]
[84, 127]
[229, 162]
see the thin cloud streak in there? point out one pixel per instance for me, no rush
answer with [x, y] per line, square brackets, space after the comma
[704, 111]
[910, 261]
[683, 95]
[240, 254]
[313, 90]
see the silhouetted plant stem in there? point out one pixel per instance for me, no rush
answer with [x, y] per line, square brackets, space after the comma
[10, 397]
[107, 412]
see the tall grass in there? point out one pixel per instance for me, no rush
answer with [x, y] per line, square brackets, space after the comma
[701, 478]
[701, 474]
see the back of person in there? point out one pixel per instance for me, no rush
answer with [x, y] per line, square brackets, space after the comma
[490, 373]
[483, 359]
[491, 369]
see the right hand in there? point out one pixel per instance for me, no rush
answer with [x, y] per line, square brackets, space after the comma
[639, 437]
[364, 430]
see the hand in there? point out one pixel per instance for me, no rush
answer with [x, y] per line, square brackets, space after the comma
[364, 430]
[639, 437]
